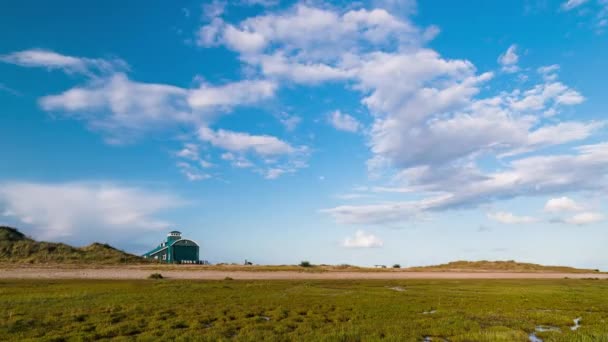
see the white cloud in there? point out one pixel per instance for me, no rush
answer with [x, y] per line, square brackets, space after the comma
[381, 213]
[431, 130]
[561, 204]
[598, 12]
[232, 94]
[242, 142]
[290, 122]
[572, 4]
[549, 72]
[277, 65]
[343, 122]
[189, 151]
[541, 95]
[264, 3]
[192, 172]
[362, 240]
[440, 127]
[69, 64]
[192, 164]
[509, 59]
[209, 35]
[120, 107]
[509, 218]
[264, 154]
[86, 211]
[312, 30]
[124, 109]
[454, 187]
[274, 173]
[585, 218]
[214, 9]
[237, 161]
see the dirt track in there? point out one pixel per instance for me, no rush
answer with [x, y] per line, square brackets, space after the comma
[134, 273]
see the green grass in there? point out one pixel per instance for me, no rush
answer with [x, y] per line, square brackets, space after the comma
[466, 310]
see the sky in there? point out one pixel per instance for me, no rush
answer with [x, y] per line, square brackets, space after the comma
[372, 132]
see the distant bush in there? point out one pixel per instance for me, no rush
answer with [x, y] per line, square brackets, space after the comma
[228, 278]
[396, 266]
[305, 264]
[155, 276]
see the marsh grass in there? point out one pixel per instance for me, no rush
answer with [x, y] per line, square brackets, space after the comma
[466, 310]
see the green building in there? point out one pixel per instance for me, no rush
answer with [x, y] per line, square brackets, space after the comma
[176, 250]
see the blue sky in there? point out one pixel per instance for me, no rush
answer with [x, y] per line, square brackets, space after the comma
[372, 132]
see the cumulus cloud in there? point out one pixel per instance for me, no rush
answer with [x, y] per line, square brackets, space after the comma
[265, 145]
[264, 154]
[428, 132]
[279, 66]
[362, 240]
[510, 218]
[509, 59]
[561, 204]
[231, 94]
[120, 107]
[85, 212]
[214, 9]
[311, 30]
[124, 109]
[343, 122]
[51, 60]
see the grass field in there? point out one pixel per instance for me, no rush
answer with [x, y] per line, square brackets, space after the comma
[370, 310]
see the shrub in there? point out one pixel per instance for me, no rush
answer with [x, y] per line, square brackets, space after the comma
[228, 278]
[396, 266]
[305, 264]
[155, 276]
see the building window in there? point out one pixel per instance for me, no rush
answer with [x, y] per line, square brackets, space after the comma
[164, 256]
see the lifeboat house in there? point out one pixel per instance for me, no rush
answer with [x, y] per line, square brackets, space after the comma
[175, 250]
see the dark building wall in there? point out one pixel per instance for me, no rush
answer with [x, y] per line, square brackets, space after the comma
[184, 250]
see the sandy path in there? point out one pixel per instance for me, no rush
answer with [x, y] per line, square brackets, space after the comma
[133, 273]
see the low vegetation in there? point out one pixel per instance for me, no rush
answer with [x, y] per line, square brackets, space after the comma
[508, 266]
[15, 247]
[372, 310]
[17, 250]
[155, 276]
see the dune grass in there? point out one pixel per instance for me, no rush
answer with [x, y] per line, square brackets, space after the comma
[16, 248]
[507, 266]
[371, 310]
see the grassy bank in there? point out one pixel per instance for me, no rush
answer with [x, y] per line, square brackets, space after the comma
[471, 310]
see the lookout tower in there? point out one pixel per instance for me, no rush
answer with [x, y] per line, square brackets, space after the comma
[174, 236]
